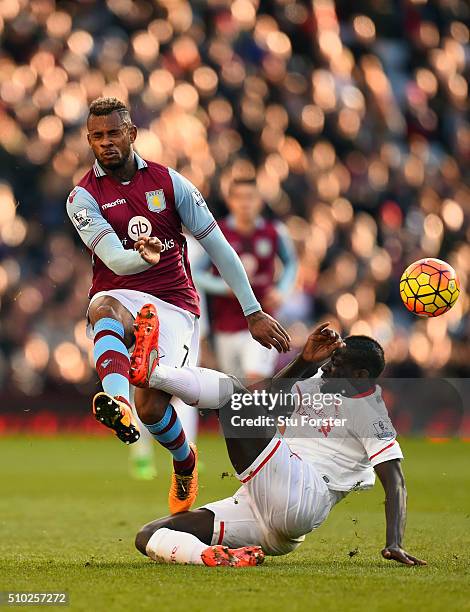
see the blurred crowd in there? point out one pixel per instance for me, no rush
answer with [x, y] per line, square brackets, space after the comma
[352, 116]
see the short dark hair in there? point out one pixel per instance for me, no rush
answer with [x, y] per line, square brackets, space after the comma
[366, 353]
[106, 106]
[242, 180]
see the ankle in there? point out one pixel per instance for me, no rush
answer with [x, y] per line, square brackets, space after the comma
[186, 467]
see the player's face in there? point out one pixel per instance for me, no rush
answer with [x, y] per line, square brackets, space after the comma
[244, 202]
[341, 365]
[338, 371]
[338, 366]
[111, 138]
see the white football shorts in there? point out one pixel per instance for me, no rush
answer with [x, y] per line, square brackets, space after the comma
[178, 343]
[239, 354]
[281, 499]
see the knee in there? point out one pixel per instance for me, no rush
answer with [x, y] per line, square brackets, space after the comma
[146, 532]
[104, 311]
[151, 406]
[142, 538]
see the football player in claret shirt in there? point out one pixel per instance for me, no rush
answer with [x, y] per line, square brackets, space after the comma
[259, 242]
[336, 436]
[129, 212]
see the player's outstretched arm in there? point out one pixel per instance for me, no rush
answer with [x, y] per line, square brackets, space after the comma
[264, 328]
[198, 219]
[393, 482]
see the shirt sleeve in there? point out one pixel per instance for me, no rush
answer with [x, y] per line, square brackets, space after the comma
[231, 269]
[288, 257]
[84, 212]
[98, 235]
[198, 219]
[373, 427]
[191, 206]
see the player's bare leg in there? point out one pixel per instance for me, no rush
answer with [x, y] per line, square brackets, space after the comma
[199, 523]
[112, 324]
[185, 538]
[159, 416]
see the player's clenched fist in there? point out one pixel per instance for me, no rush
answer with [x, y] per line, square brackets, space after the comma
[149, 249]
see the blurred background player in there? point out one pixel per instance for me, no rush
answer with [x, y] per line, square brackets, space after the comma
[261, 244]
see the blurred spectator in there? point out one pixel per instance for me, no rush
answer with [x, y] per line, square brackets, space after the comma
[353, 117]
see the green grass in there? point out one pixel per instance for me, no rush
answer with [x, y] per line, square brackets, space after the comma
[69, 513]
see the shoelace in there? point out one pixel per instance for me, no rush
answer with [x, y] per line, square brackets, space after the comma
[182, 490]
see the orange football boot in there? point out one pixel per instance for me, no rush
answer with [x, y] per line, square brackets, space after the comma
[183, 489]
[115, 413]
[145, 355]
[247, 556]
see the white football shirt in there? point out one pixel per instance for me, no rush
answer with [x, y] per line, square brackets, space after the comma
[344, 454]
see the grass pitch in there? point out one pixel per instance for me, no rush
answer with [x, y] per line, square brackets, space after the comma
[69, 513]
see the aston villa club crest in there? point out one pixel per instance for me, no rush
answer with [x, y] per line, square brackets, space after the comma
[263, 247]
[156, 200]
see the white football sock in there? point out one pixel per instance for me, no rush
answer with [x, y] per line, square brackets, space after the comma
[170, 546]
[199, 387]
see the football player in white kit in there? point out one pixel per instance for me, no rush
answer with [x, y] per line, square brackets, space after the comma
[337, 436]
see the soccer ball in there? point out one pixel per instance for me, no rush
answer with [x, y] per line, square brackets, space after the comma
[429, 287]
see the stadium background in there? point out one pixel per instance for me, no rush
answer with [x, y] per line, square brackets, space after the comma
[352, 116]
